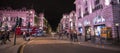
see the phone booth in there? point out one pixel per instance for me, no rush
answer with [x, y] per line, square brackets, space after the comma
[106, 32]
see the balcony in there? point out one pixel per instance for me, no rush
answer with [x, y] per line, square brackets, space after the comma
[97, 7]
[86, 13]
[79, 17]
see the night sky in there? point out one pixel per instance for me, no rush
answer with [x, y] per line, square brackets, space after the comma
[53, 9]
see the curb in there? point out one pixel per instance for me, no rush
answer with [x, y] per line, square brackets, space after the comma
[21, 47]
[97, 46]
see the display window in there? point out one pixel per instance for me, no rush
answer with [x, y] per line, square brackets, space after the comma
[80, 29]
[88, 32]
[97, 29]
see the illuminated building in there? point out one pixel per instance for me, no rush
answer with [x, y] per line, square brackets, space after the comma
[41, 21]
[93, 15]
[68, 22]
[9, 16]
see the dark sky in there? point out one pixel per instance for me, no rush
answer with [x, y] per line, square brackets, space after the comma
[53, 9]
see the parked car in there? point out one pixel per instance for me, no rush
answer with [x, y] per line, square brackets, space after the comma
[38, 33]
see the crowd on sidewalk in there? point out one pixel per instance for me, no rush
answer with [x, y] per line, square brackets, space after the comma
[72, 36]
[4, 37]
[75, 36]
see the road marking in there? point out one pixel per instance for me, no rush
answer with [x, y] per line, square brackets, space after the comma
[22, 47]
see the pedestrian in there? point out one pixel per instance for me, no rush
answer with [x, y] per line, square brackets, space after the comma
[24, 35]
[3, 39]
[8, 36]
[75, 38]
[27, 36]
[71, 35]
[60, 35]
[79, 36]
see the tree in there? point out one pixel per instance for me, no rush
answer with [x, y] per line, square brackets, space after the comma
[36, 19]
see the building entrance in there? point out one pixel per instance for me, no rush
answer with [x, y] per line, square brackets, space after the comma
[87, 33]
[97, 29]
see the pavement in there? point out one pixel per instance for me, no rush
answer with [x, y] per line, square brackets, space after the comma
[9, 47]
[95, 45]
[53, 45]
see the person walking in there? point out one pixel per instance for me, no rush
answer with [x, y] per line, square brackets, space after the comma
[24, 35]
[79, 36]
[27, 36]
[8, 36]
[75, 38]
[71, 35]
[3, 39]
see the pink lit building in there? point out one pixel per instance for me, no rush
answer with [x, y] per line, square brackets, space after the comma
[8, 17]
[41, 20]
[93, 15]
[68, 22]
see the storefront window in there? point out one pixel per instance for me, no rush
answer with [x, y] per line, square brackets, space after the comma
[98, 29]
[107, 2]
[97, 2]
[98, 19]
[80, 29]
[86, 22]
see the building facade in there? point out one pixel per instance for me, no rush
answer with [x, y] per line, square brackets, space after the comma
[41, 20]
[93, 16]
[68, 22]
[8, 17]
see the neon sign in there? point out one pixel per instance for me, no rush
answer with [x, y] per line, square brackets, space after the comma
[98, 19]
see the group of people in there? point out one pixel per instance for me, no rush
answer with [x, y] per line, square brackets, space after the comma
[73, 35]
[4, 36]
[26, 36]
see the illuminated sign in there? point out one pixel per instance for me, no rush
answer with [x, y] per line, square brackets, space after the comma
[98, 19]
[86, 22]
[79, 24]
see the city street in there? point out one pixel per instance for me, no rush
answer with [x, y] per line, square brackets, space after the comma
[60, 26]
[50, 45]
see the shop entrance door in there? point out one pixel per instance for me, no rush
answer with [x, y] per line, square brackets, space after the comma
[97, 29]
[87, 33]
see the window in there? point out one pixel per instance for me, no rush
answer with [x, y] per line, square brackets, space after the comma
[0, 24]
[98, 7]
[85, 3]
[86, 11]
[107, 2]
[79, 13]
[97, 2]
[119, 13]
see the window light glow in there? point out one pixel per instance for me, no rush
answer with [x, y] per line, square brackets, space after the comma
[107, 2]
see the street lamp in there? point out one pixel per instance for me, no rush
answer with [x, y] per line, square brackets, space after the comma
[117, 27]
[29, 20]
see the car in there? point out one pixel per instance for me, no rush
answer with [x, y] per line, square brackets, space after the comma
[38, 33]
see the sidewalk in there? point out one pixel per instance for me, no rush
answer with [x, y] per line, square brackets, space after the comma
[95, 45]
[9, 47]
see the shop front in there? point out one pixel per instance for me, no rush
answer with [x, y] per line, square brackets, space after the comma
[87, 33]
[97, 29]
[80, 29]
[102, 31]
[87, 30]
[99, 23]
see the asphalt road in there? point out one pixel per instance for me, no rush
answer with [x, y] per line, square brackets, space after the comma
[58, 46]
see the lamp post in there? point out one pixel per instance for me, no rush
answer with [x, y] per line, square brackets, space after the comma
[29, 15]
[117, 29]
